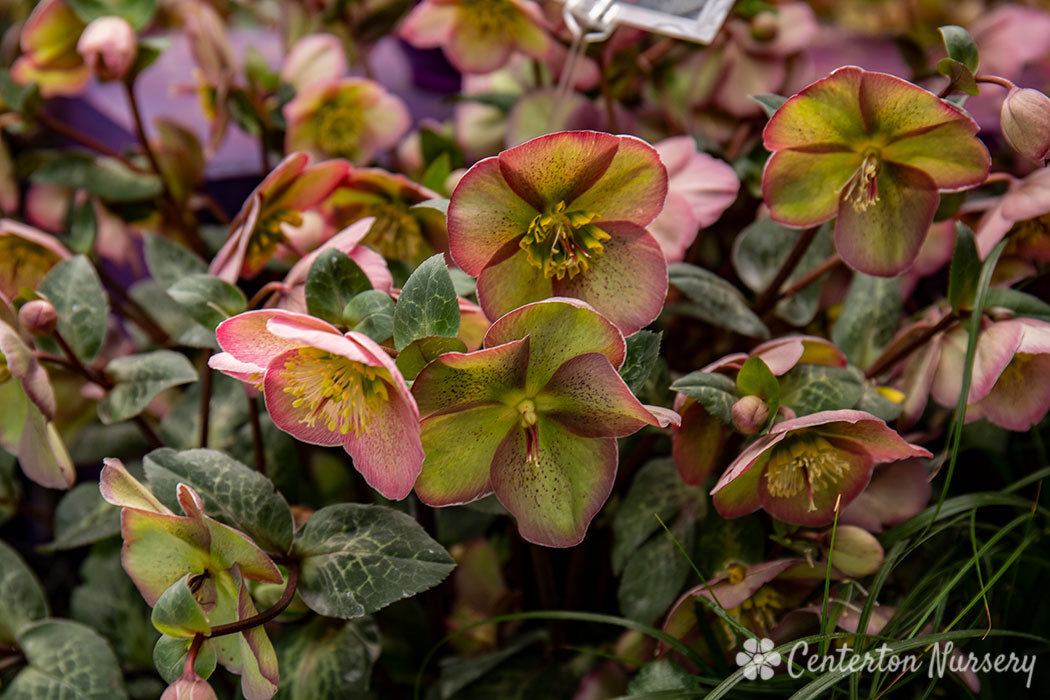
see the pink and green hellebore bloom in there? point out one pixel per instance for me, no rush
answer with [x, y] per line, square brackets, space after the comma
[872, 150]
[478, 36]
[272, 211]
[1011, 373]
[326, 388]
[564, 215]
[49, 51]
[803, 466]
[353, 118]
[198, 562]
[1024, 212]
[532, 417]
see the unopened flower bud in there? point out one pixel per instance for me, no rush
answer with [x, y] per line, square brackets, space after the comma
[38, 317]
[750, 414]
[1025, 120]
[765, 26]
[857, 553]
[108, 46]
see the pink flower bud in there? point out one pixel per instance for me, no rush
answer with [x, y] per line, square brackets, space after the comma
[750, 414]
[108, 46]
[1025, 119]
[38, 317]
[857, 553]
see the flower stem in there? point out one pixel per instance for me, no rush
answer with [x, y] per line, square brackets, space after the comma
[90, 142]
[994, 80]
[205, 409]
[885, 362]
[257, 437]
[771, 294]
[812, 276]
[291, 581]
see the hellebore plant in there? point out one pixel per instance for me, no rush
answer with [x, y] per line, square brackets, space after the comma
[326, 388]
[273, 210]
[533, 417]
[478, 37]
[564, 215]
[804, 466]
[871, 150]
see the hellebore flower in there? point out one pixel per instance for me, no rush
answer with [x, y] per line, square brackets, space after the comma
[872, 150]
[700, 187]
[401, 230]
[478, 37]
[326, 388]
[1025, 210]
[564, 215]
[353, 118]
[533, 417]
[1025, 120]
[191, 570]
[26, 255]
[897, 492]
[800, 468]
[49, 51]
[315, 58]
[108, 46]
[1011, 373]
[274, 208]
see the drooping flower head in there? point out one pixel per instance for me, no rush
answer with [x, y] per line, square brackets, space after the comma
[353, 118]
[326, 388]
[564, 215]
[533, 417]
[1023, 211]
[872, 150]
[108, 46]
[274, 208]
[49, 51]
[804, 465]
[478, 36]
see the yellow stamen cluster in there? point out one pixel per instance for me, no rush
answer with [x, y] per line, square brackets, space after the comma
[268, 234]
[807, 463]
[338, 128]
[862, 189]
[395, 233]
[488, 16]
[758, 613]
[342, 393]
[560, 242]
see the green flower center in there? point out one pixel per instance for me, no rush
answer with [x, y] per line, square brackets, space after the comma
[560, 242]
[339, 129]
[807, 463]
[488, 16]
[527, 409]
[342, 393]
[394, 234]
[862, 189]
[268, 234]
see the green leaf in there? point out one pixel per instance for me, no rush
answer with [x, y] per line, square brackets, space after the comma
[656, 490]
[960, 46]
[66, 660]
[22, 598]
[177, 612]
[959, 76]
[138, 13]
[209, 300]
[357, 559]
[107, 178]
[81, 518]
[725, 541]
[769, 103]
[811, 388]
[428, 305]
[413, 358]
[1020, 303]
[82, 227]
[334, 279]
[169, 658]
[871, 401]
[171, 316]
[965, 269]
[372, 313]
[715, 392]
[232, 493]
[328, 659]
[870, 316]
[108, 601]
[139, 378]
[73, 287]
[169, 262]
[661, 678]
[13, 95]
[181, 426]
[643, 348]
[437, 172]
[714, 300]
[655, 573]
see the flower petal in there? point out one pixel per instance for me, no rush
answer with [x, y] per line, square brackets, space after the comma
[558, 329]
[803, 189]
[894, 108]
[896, 493]
[286, 416]
[459, 448]
[555, 494]
[312, 186]
[484, 216]
[457, 381]
[389, 455]
[885, 238]
[827, 112]
[697, 444]
[589, 398]
[1021, 396]
[950, 154]
[632, 188]
[246, 337]
[231, 366]
[799, 510]
[996, 347]
[511, 284]
[627, 283]
[429, 25]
